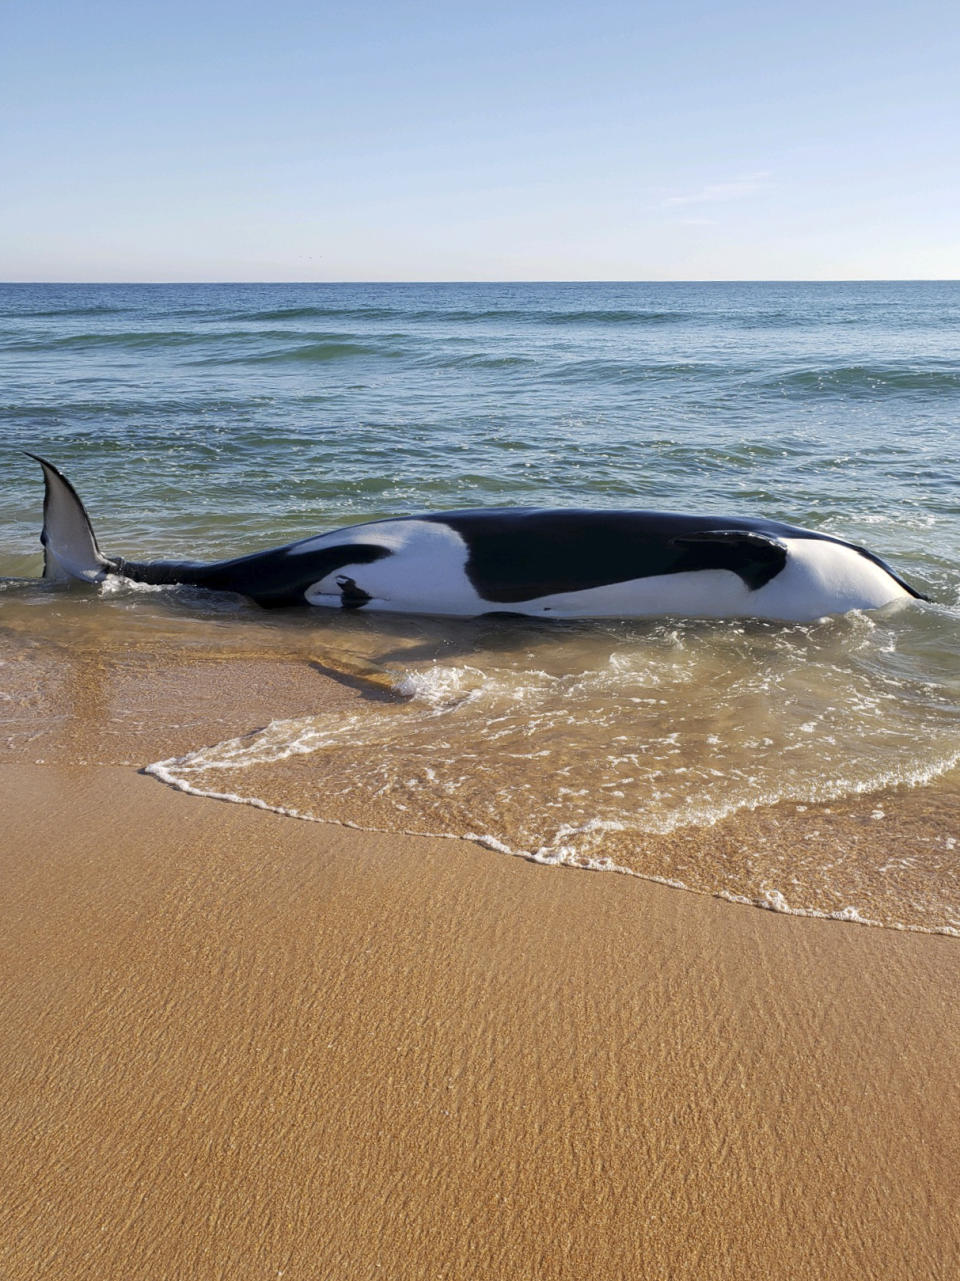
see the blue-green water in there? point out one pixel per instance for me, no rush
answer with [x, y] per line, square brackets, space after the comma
[209, 420]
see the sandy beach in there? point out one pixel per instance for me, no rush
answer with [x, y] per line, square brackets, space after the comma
[242, 1046]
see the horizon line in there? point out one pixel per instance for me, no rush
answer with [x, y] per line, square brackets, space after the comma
[714, 280]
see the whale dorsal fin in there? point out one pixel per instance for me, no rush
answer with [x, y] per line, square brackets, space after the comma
[755, 556]
[70, 547]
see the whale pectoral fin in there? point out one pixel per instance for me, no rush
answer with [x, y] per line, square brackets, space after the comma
[358, 671]
[754, 556]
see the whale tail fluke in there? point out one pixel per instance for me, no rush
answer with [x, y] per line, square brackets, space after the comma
[70, 547]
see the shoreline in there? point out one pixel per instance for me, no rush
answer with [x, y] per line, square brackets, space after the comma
[159, 771]
[238, 1046]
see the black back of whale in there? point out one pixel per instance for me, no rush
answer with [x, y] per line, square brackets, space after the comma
[518, 554]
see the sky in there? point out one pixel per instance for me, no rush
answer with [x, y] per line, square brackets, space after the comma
[526, 141]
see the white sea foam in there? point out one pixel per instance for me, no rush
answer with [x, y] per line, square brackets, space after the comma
[577, 757]
[115, 585]
[772, 900]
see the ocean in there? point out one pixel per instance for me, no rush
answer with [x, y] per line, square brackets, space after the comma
[806, 768]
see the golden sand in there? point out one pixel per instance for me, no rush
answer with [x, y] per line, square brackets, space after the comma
[240, 1046]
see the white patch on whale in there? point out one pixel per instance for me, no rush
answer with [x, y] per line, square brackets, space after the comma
[823, 577]
[426, 570]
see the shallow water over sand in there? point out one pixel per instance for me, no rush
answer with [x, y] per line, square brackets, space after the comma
[805, 768]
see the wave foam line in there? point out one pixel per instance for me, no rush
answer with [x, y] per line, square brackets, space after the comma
[773, 900]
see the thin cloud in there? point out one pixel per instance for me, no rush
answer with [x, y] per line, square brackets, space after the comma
[720, 192]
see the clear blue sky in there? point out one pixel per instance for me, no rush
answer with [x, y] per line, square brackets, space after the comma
[420, 141]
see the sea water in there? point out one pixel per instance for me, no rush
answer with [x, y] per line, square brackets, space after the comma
[804, 767]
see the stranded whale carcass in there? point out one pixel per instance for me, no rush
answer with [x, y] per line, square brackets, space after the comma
[531, 561]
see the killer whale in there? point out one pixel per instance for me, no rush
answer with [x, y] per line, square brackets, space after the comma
[540, 562]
